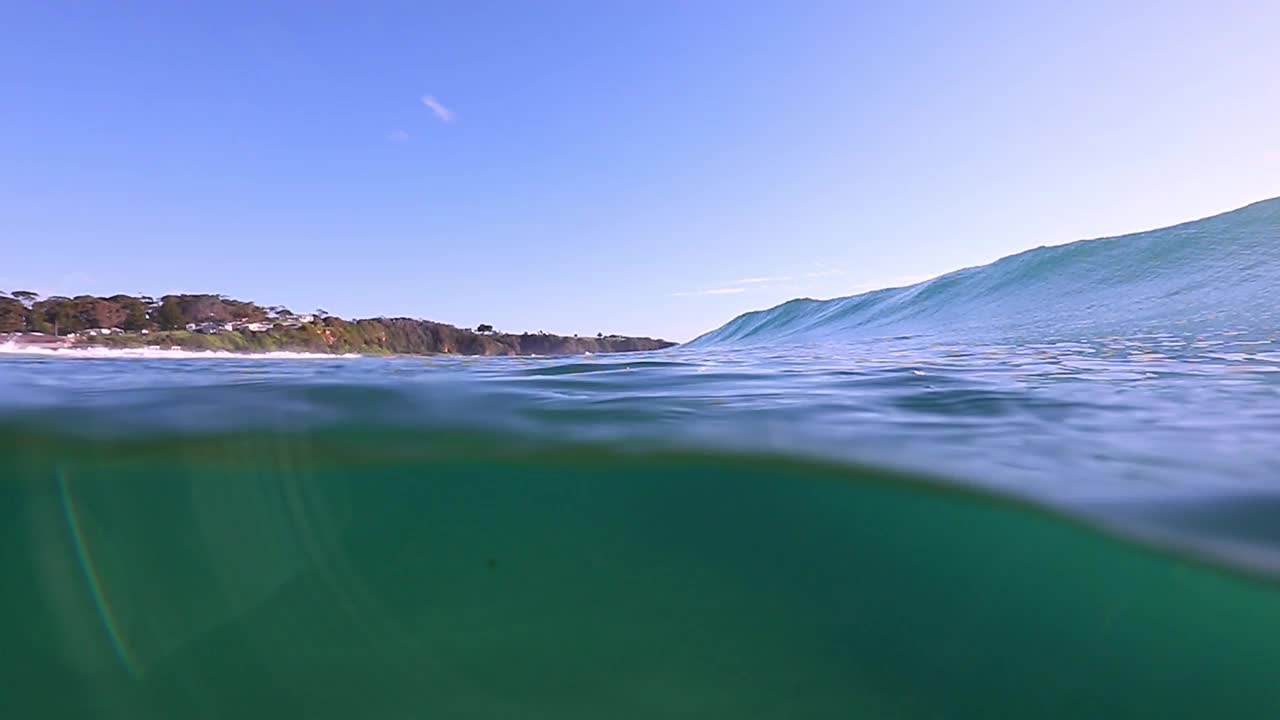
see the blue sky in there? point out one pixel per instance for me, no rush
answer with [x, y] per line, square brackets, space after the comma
[643, 168]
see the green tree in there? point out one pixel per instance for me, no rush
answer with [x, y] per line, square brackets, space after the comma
[169, 316]
[484, 328]
[13, 316]
[202, 308]
[37, 324]
[135, 312]
[96, 312]
[26, 297]
[244, 311]
[59, 315]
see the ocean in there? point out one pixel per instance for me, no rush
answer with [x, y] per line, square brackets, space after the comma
[1046, 487]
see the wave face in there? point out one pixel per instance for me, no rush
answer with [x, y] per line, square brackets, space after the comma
[1212, 275]
[1048, 487]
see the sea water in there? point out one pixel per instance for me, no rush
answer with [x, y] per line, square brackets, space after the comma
[1048, 487]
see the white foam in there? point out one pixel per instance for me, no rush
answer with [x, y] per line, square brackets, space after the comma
[173, 353]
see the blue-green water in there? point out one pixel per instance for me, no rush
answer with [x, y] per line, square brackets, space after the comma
[1049, 487]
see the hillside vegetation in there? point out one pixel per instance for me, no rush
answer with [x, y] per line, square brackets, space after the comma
[215, 322]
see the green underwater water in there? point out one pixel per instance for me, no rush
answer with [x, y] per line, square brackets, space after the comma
[348, 574]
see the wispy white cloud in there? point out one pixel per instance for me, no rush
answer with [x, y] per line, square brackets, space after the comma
[805, 283]
[762, 280]
[443, 113]
[397, 136]
[821, 281]
[755, 284]
[712, 291]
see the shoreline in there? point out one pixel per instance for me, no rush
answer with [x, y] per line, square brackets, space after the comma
[35, 340]
[40, 345]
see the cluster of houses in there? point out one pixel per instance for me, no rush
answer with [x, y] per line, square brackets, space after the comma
[91, 332]
[213, 328]
[209, 328]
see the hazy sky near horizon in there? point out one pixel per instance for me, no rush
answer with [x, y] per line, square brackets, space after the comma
[642, 168]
